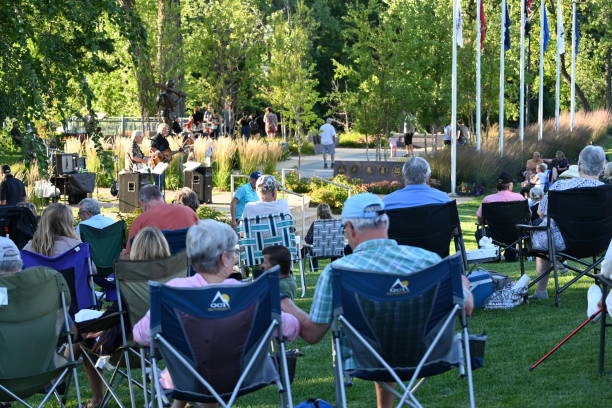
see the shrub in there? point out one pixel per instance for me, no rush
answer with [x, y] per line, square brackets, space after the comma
[383, 187]
[206, 212]
[307, 149]
[329, 194]
[224, 149]
[292, 183]
[354, 139]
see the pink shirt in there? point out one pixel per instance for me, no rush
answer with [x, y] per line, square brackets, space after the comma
[504, 195]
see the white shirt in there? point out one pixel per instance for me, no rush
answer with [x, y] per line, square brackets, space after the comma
[265, 208]
[327, 133]
[447, 132]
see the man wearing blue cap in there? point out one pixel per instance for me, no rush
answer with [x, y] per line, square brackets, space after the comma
[245, 194]
[365, 226]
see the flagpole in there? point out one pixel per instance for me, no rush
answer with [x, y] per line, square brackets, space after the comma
[478, 46]
[522, 77]
[573, 80]
[502, 54]
[558, 66]
[454, 104]
[541, 73]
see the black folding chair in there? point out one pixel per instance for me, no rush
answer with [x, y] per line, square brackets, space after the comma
[430, 227]
[500, 220]
[584, 217]
[19, 223]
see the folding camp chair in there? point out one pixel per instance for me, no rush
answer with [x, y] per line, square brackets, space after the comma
[33, 319]
[395, 328]
[214, 340]
[105, 245]
[75, 266]
[260, 232]
[131, 281]
[19, 223]
[584, 217]
[500, 220]
[327, 240]
[430, 227]
[177, 239]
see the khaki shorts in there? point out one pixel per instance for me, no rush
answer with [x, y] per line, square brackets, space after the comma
[328, 148]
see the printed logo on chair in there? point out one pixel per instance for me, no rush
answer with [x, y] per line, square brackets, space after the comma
[398, 288]
[220, 302]
[3, 297]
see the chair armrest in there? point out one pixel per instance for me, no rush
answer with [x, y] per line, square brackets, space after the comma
[531, 227]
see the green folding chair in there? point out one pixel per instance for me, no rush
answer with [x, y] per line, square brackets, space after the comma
[33, 317]
[105, 243]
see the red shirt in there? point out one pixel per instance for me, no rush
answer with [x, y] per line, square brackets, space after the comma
[165, 217]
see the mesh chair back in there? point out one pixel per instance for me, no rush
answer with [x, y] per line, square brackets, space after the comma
[74, 265]
[584, 217]
[327, 238]
[30, 326]
[502, 217]
[135, 275]
[427, 226]
[18, 222]
[177, 239]
[264, 231]
[399, 315]
[217, 329]
[105, 244]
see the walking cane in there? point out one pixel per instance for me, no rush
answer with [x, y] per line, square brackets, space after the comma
[576, 330]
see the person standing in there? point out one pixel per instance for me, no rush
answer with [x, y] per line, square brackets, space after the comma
[244, 195]
[409, 129]
[271, 122]
[464, 133]
[245, 130]
[12, 190]
[328, 141]
[16, 135]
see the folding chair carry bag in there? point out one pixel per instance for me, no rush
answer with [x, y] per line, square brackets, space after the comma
[105, 244]
[214, 340]
[75, 266]
[30, 325]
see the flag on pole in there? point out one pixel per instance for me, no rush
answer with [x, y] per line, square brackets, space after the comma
[560, 37]
[483, 24]
[459, 26]
[578, 33]
[507, 30]
[545, 28]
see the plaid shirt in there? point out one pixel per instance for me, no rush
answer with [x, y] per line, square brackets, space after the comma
[376, 255]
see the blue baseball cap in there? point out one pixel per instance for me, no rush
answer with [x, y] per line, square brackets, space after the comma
[354, 207]
[255, 174]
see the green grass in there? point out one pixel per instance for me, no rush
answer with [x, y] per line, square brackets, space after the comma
[517, 339]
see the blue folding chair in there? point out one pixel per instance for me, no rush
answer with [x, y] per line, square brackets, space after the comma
[75, 266]
[214, 340]
[177, 240]
[398, 327]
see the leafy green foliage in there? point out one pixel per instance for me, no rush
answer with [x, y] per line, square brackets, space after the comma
[205, 212]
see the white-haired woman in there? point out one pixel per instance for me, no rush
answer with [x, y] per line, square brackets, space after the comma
[212, 248]
[590, 165]
[134, 157]
[267, 190]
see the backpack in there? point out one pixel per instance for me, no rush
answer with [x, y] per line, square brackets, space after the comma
[314, 403]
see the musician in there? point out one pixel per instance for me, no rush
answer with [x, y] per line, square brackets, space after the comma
[135, 159]
[160, 142]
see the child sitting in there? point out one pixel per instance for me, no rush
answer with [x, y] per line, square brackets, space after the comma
[541, 178]
[279, 255]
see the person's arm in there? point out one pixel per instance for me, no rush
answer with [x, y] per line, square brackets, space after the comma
[233, 211]
[468, 302]
[311, 332]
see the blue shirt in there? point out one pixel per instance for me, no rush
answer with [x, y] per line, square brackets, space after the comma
[245, 194]
[97, 221]
[414, 195]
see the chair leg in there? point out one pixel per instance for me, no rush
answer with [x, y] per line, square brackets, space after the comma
[302, 277]
[339, 372]
[602, 330]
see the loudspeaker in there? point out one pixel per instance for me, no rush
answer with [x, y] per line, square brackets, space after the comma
[129, 190]
[200, 181]
[64, 163]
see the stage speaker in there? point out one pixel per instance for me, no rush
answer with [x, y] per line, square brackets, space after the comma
[200, 181]
[129, 190]
[64, 163]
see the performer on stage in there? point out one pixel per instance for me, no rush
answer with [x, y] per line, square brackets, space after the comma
[135, 159]
[159, 143]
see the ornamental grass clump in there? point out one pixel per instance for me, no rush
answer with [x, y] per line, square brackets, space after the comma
[252, 155]
[224, 150]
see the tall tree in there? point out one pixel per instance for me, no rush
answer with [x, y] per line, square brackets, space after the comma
[170, 61]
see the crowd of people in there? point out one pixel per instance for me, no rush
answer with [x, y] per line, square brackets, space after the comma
[212, 247]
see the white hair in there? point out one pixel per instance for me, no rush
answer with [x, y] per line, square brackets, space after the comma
[161, 127]
[206, 242]
[90, 205]
[135, 135]
[360, 224]
[592, 160]
[416, 171]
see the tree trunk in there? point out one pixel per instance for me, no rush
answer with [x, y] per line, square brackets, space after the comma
[583, 100]
[170, 45]
[133, 30]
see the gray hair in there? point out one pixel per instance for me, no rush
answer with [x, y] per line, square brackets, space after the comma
[543, 167]
[536, 193]
[206, 242]
[90, 205]
[161, 127]
[416, 171]
[135, 135]
[149, 193]
[592, 160]
[10, 266]
[360, 224]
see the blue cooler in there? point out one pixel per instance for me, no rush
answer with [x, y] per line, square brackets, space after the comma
[481, 286]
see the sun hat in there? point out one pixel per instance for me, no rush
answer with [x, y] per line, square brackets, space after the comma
[355, 206]
[8, 250]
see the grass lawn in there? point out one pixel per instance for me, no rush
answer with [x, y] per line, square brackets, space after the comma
[517, 339]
